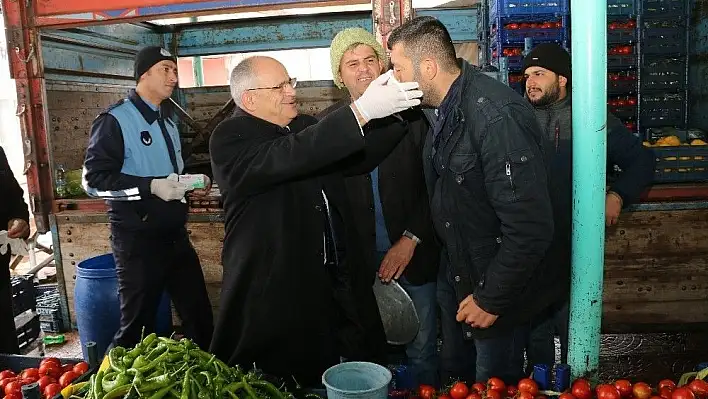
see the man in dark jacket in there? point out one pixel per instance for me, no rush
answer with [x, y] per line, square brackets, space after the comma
[14, 218]
[547, 71]
[277, 307]
[134, 150]
[391, 214]
[486, 177]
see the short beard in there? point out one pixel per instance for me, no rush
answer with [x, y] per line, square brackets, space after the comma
[429, 98]
[549, 97]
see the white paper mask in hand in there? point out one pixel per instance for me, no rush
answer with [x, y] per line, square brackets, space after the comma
[392, 80]
[17, 246]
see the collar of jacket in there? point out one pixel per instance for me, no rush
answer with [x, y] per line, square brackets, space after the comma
[238, 112]
[145, 109]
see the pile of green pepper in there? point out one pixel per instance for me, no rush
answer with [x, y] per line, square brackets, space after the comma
[160, 367]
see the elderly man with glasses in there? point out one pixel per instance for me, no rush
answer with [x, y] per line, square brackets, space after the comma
[278, 308]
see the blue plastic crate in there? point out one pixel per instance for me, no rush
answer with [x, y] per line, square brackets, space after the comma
[621, 7]
[663, 8]
[517, 36]
[665, 36]
[681, 164]
[515, 63]
[663, 74]
[621, 30]
[662, 109]
[623, 82]
[507, 8]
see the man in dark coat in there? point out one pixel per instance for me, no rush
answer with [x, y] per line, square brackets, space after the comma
[14, 218]
[277, 307]
[486, 176]
[547, 71]
[392, 230]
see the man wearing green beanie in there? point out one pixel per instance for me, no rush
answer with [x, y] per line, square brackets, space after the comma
[387, 231]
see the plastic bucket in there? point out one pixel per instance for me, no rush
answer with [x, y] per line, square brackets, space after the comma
[360, 380]
[97, 305]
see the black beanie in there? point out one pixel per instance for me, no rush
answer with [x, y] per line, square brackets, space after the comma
[549, 56]
[149, 56]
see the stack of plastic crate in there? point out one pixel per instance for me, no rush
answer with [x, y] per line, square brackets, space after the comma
[511, 22]
[622, 52]
[663, 30]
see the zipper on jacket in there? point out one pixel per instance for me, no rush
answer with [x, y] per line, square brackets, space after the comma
[508, 175]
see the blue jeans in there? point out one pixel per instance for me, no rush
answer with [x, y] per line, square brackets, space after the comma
[422, 352]
[479, 359]
[541, 348]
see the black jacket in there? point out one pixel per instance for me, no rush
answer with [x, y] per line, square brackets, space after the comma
[12, 203]
[278, 306]
[623, 149]
[486, 175]
[404, 198]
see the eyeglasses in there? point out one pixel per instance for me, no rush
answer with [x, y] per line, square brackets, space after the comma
[292, 82]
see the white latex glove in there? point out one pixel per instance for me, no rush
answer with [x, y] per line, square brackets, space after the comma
[168, 189]
[381, 99]
[17, 246]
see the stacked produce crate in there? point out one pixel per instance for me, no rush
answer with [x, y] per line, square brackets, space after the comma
[622, 54]
[512, 22]
[23, 308]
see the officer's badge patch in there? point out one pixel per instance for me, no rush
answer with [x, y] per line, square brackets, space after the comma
[145, 137]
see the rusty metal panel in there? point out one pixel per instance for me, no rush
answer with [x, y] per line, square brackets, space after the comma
[82, 236]
[388, 15]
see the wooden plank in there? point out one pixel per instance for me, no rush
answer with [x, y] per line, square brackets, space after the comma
[81, 241]
[638, 313]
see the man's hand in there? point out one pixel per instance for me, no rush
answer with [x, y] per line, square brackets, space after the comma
[473, 315]
[396, 259]
[168, 189]
[18, 228]
[381, 99]
[613, 207]
[203, 192]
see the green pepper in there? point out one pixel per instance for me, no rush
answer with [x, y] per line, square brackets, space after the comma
[153, 363]
[148, 340]
[114, 359]
[162, 391]
[97, 385]
[248, 389]
[118, 391]
[155, 383]
[140, 361]
[233, 395]
[92, 380]
[113, 380]
[186, 383]
[274, 393]
[168, 341]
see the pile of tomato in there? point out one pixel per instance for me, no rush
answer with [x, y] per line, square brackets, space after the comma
[630, 24]
[621, 50]
[51, 375]
[527, 388]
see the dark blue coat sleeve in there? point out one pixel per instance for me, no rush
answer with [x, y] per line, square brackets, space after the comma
[637, 162]
[102, 175]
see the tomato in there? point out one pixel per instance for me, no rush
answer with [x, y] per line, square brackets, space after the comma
[666, 384]
[605, 391]
[496, 384]
[699, 387]
[50, 369]
[426, 391]
[67, 367]
[479, 387]
[493, 394]
[541, 397]
[80, 368]
[525, 395]
[474, 395]
[444, 396]
[459, 390]
[528, 385]
[13, 396]
[665, 392]
[566, 395]
[66, 378]
[7, 374]
[581, 389]
[624, 387]
[44, 381]
[30, 374]
[678, 393]
[53, 360]
[511, 391]
[52, 390]
[13, 387]
[641, 390]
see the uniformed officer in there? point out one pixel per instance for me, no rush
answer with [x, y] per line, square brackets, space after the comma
[133, 149]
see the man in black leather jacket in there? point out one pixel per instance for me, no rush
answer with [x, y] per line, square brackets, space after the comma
[486, 178]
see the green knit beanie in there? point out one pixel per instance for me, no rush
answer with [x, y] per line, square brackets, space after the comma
[345, 39]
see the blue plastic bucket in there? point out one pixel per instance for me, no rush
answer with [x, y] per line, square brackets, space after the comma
[97, 305]
[360, 380]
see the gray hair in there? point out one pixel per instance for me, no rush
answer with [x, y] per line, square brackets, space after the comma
[243, 77]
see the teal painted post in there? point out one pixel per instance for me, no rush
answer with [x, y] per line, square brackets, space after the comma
[589, 93]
